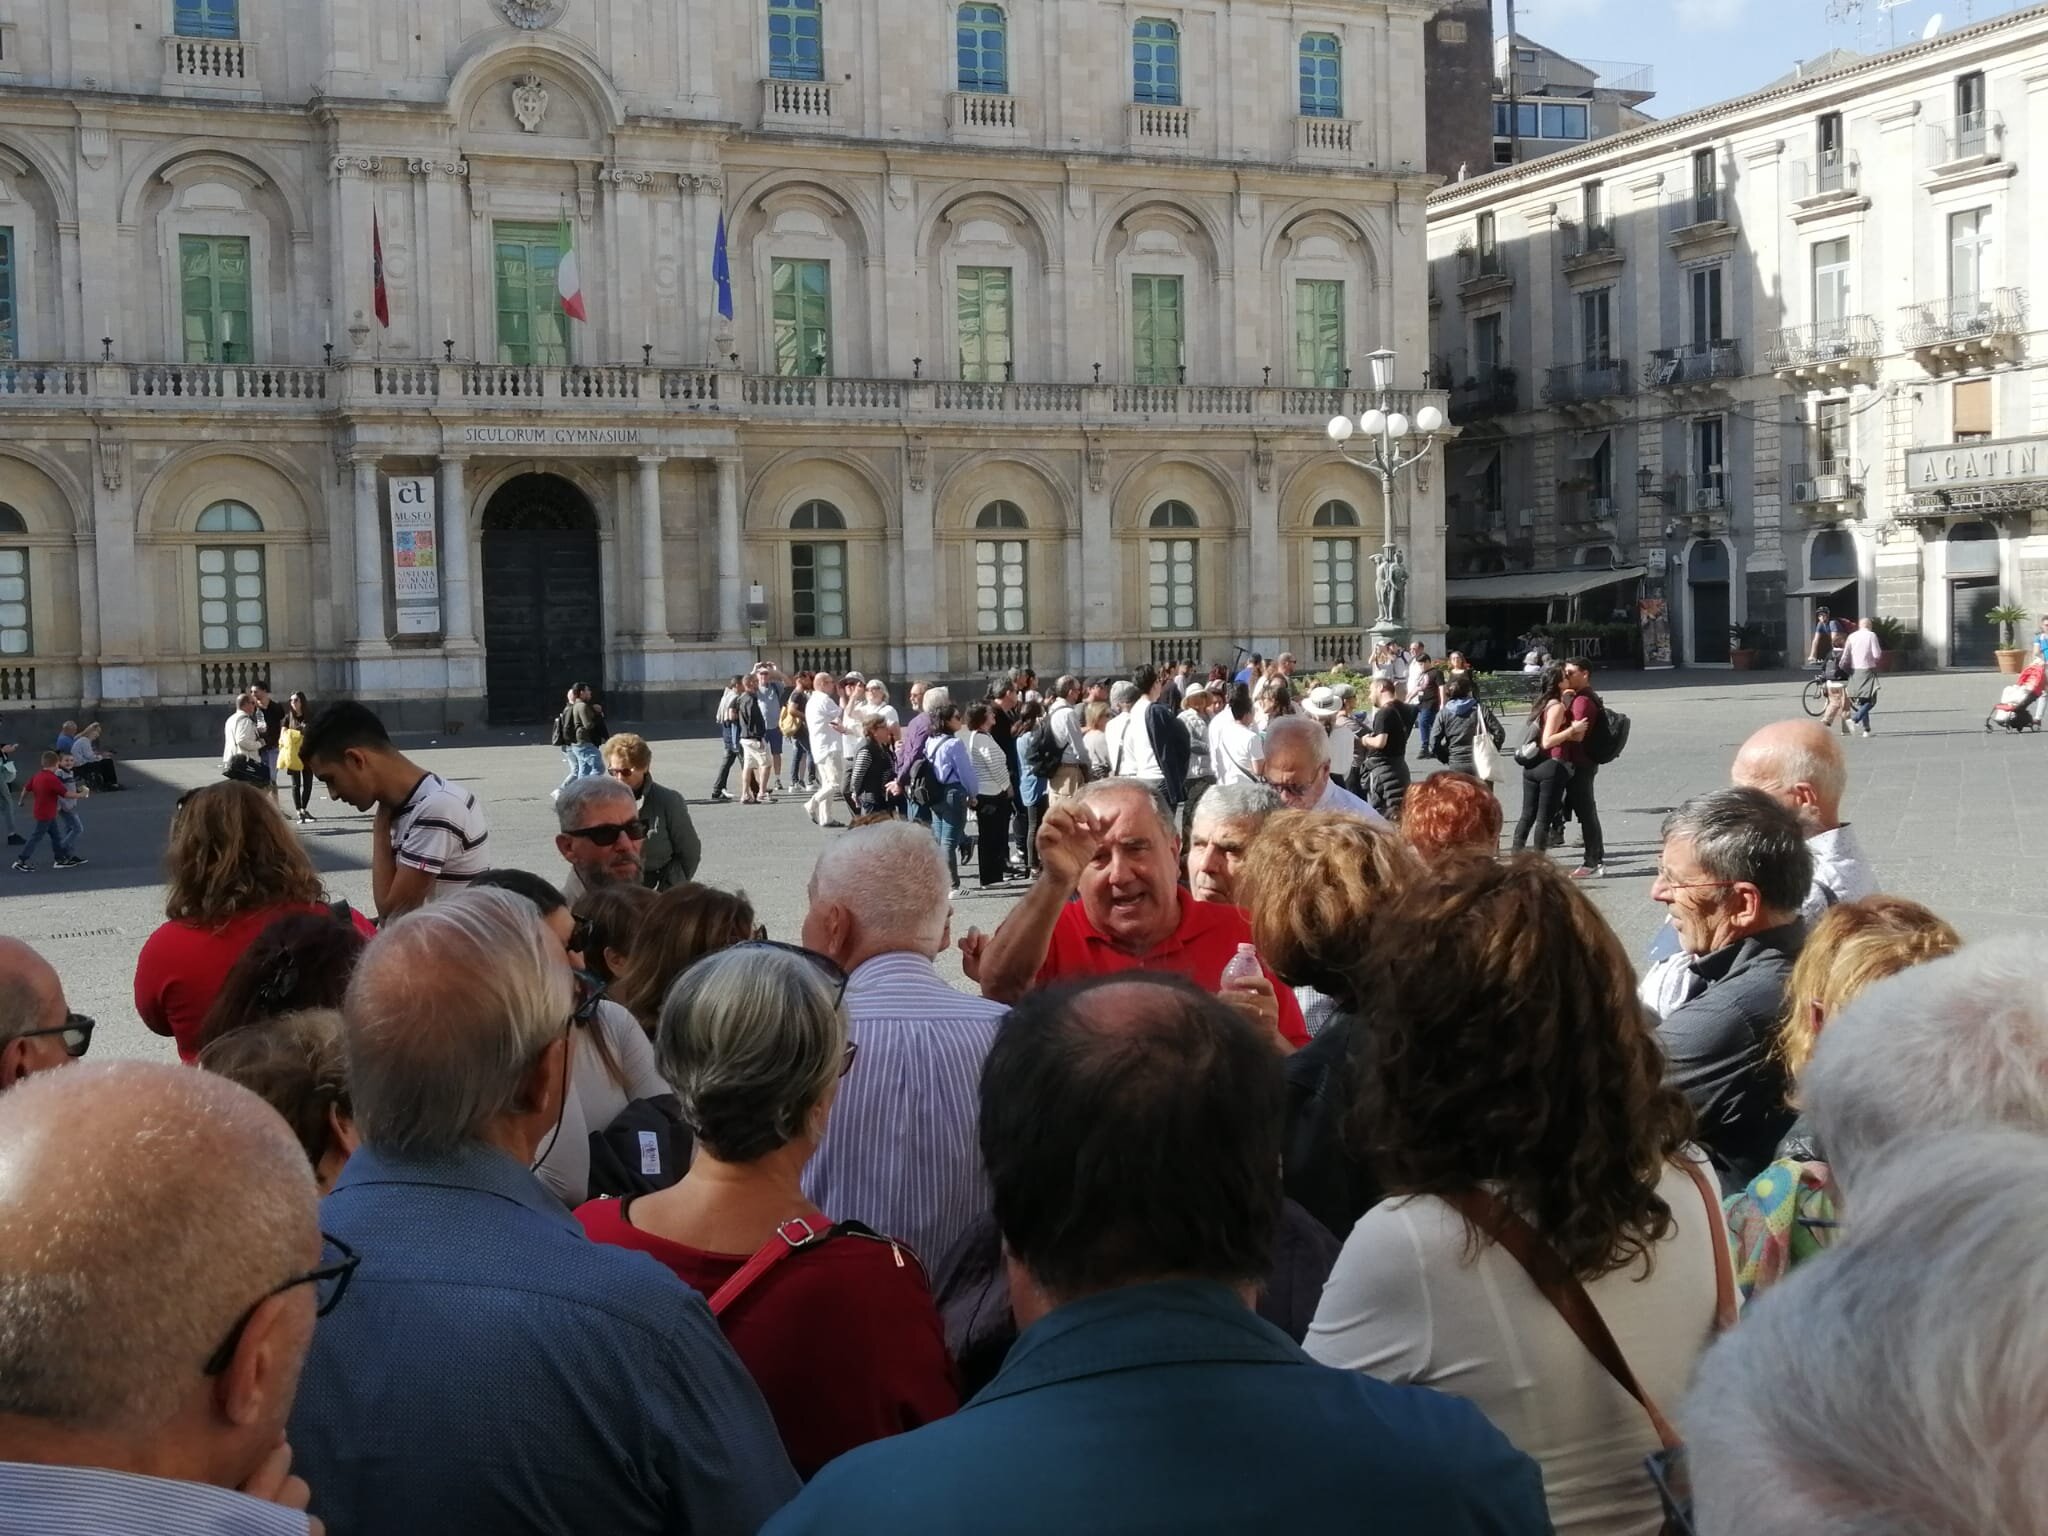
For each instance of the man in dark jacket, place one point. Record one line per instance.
(1169, 738)
(1733, 871)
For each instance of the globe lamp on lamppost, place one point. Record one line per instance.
(1391, 443)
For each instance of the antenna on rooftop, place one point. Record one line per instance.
(1933, 26)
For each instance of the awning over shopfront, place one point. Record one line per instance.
(1538, 586)
(1823, 586)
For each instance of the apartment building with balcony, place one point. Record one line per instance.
(1775, 354)
(908, 343)
(1545, 101)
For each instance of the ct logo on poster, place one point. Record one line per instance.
(415, 555)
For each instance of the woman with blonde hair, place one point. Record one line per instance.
(1788, 1212)
(685, 924)
(1312, 882)
(233, 867)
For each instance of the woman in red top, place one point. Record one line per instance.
(233, 867)
(841, 1335)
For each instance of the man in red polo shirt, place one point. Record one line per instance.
(1115, 846)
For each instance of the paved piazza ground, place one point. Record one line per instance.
(1946, 812)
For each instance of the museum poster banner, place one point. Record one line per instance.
(415, 555)
(1656, 627)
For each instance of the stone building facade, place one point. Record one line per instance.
(1036, 318)
(1772, 355)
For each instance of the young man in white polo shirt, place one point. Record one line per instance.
(430, 836)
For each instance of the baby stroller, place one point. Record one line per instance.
(2020, 706)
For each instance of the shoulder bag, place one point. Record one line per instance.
(1530, 752)
(1486, 758)
(1495, 1218)
(790, 1239)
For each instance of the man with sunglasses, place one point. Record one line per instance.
(38, 1030)
(601, 835)
(1733, 870)
(161, 1267)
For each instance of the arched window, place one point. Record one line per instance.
(1155, 63)
(15, 629)
(233, 611)
(229, 517)
(1172, 591)
(1001, 573)
(984, 50)
(817, 575)
(1333, 569)
(1833, 556)
(796, 40)
(1322, 90)
(817, 514)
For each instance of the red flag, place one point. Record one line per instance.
(381, 301)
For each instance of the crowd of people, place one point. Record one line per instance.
(1292, 1159)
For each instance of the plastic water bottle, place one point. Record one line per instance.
(1243, 967)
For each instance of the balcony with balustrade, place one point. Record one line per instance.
(1965, 331)
(1483, 393)
(1826, 352)
(797, 104)
(1968, 147)
(1582, 514)
(983, 117)
(1824, 183)
(1155, 129)
(1329, 141)
(1825, 490)
(1700, 216)
(1590, 386)
(1483, 273)
(209, 64)
(1704, 368)
(597, 396)
(1589, 249)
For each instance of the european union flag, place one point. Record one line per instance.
(721, 270)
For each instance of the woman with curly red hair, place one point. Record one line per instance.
(1449, 812)
(1511, 1098)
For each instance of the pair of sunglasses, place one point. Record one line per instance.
(76, 1032)
(825, 968)
(604, 836)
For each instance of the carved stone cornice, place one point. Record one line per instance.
(425, 167)
(358, 165)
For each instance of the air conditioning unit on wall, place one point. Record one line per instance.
(1707, 499)
(1805, 491)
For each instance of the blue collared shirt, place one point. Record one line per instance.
(492, 1372)
(92, 1501)
(1174, 1407)
(902, 1151)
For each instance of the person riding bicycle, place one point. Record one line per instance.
(1829, 633)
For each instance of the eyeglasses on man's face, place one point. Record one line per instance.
(75, 1032)
(610, 832)
(329, 1280)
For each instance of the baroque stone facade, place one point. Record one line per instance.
(1026, 358)
(1775, 354)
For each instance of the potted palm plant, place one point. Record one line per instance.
(1896, 639)
(2008, 617)
(1744, 640)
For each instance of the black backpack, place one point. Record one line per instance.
(1043, 754)
(1607, 738)
(563, 735)
(921, 783)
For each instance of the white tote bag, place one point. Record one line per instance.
(1486, 758)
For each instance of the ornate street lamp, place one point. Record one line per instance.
(1393, 444)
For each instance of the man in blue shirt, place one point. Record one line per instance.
(1131, 1130)
(495, 1372)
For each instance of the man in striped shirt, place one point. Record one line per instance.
(429, 836)
(901, 1150)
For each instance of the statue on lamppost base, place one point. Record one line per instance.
(1393, 443)
(1390, 591)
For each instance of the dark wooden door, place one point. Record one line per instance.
(1972, 637)
(1709, 620)
(543, 620)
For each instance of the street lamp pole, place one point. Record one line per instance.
(1393, 444)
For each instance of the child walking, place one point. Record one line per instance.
(48, 800)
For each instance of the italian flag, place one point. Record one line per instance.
(568, 280)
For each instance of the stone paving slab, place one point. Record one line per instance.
(1947, 812)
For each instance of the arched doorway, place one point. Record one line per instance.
(1706, 581)
(1831, 579)
(543, 598)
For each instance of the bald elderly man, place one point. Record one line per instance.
(38, 1030)
(161, 1266)
(1799, 764)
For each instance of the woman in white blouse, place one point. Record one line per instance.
(1509, 1074)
